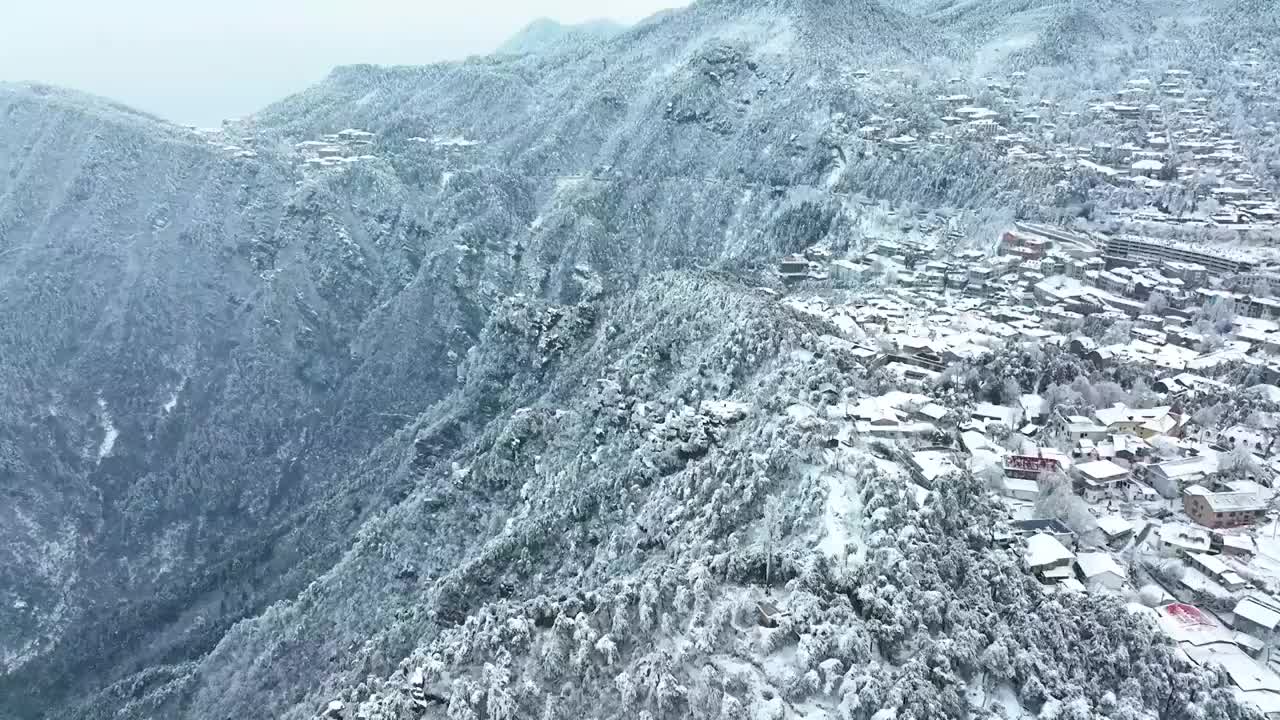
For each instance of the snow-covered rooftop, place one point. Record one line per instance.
(1264, 613)
(1114, 525)
(1101, 471)
(1094, 564)
(1045, 550)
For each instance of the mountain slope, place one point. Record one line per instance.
(1052, 35)
(725, 116)
(197, 350)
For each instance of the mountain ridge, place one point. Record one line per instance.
(545, 34)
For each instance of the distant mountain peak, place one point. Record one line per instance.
(545, 33)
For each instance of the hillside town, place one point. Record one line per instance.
(1168, 159)
(1119, 393)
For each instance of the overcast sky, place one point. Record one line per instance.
(198, 62)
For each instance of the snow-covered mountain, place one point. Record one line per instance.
(547, 35)
(493, 395)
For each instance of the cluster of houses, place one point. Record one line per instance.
(1044, 277)
(1171, 137)
(1159, 129)
(1122, 497)
(235, 138)
(336, 149)
(1158, 489)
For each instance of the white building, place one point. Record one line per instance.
(1115, 527)
(1020, 489)
(1147, 168)
(1101, 479)
(1100, 571)
(1258, 616)
(1177, 538)
(1048, 558)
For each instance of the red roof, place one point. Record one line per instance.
(1187, 615)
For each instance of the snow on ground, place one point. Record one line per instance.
(172, 402)
(835, 538)
(801, 355)
(1266, 562)
(800, 412)
(836, 175)
(842, 518)
(888, 467)
(847, 325)
(981, 696)
(1005, 697)
(1019, 509)
(454, 141)
(725, 410)
(110, 433)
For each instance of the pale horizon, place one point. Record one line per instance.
(199, 64)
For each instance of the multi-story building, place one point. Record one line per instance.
(1217, 258)
(1216, 510)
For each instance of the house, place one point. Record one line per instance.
(1046, 526)
(1123, 450)
(1203, 641)
(1115, 528)
(847, 273)
(1100, 479)
(973, 441)
(1214, 567)
(768, 615)
(356, 136)
(892, 429)
(1048, 558)
(1183, 472)
(887, 416)
(1020, 489)
(1234, 545)
(794, 267)
(987, 412)
(1082, 346)
(1176, 539)
(1146, 168)
(1080, 428)
(931, 464)
(1145, 423)
(1222, 509)
(1098, 570)
(1258, 615)
(1031, 467)
(932, 412)
(911, 372)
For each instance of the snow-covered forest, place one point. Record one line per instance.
(475, 390)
